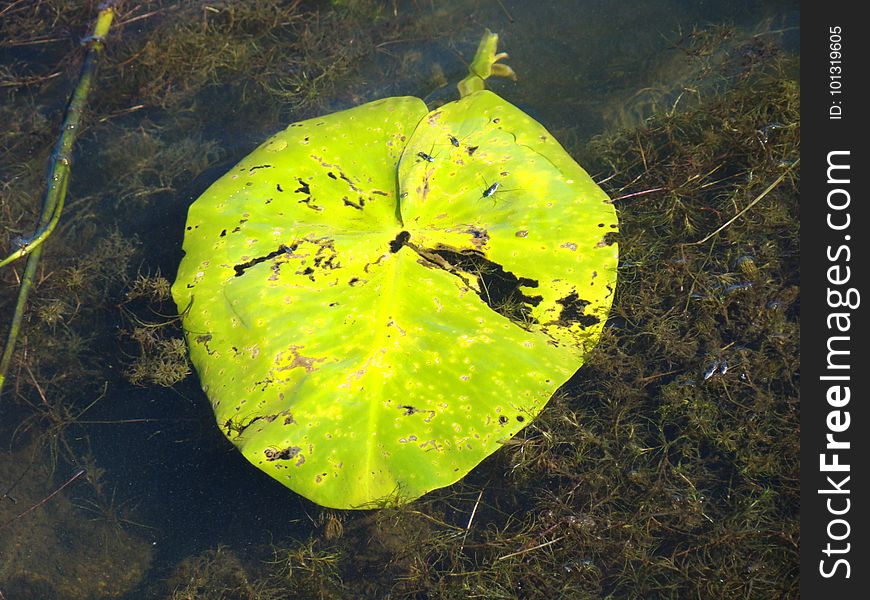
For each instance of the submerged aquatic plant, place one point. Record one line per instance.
(57, 184)
(377, 299)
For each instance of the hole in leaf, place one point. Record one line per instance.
(572, 311)
(400, 241)
(242, 267)
(499, 289)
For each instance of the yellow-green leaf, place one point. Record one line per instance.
(375, 300)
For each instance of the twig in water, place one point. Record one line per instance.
(44, 500)
(505, 11)
(470, 520)
(538, 547)
(635, 194)
(750, 205)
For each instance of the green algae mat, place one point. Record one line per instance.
(377, 299)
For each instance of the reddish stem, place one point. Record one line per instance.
(46, 499)
(643, 193)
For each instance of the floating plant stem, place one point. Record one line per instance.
(58, 181)
(750, 205)
(44, 500)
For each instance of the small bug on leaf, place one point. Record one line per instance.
(428, 157)
(492, 190)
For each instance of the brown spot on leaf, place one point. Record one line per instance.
(204, 340)
(306, 362)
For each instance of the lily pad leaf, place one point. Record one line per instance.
(377, 299)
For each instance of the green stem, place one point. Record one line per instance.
(484, 65)
(58, 182)
(54, 199)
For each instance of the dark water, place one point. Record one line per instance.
(585, 68)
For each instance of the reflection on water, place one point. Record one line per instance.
(646, 478)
